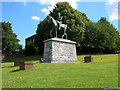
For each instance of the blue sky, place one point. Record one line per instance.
(25, 16)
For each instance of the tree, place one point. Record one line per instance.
(90, 43)
(30, 49)
(9, 39)
(75, 20)
(102, 36)
(42, 34)
(98, 36)
(109, 34)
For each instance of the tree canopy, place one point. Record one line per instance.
(100, 36)
(9, 39)
(73, 18)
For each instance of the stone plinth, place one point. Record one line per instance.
(26, 65)
(88, 59)
(58, 50)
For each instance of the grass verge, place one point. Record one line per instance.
(102, 73)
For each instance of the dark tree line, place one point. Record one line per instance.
(91, 37)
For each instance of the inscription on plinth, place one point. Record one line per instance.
(58, 50)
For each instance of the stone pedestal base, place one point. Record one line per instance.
(58, 50)
(26, 65)
(88, 59)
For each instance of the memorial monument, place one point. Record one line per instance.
(59, 50)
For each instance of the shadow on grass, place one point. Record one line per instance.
(90, 54)
(15, 70)
(9, 66)
(26, 58)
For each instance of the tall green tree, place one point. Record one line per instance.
(42, 34)
(101, 36)
(75, 20)
(109, 33)
(9, 39)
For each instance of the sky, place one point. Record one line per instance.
(25, 16)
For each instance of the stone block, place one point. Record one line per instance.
(88, 59)
(57, 50)
(26, 65)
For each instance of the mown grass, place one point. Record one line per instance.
(102, 73)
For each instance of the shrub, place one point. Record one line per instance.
(30, 49)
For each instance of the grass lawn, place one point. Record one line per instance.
(102, 73)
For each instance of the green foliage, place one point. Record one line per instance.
(20, 47)
(102, 36)
(73, 18)
(91, 37)
(30, 49)
(109, 34)
(42, 34)
(9, 39)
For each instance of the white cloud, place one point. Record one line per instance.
(112, 9)
(52, 3)
(35, 18)
(24, 3)
(46, 10)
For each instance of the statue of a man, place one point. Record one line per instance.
(59, 20)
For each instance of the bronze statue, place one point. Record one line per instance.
(57, 25)
(59, 20)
